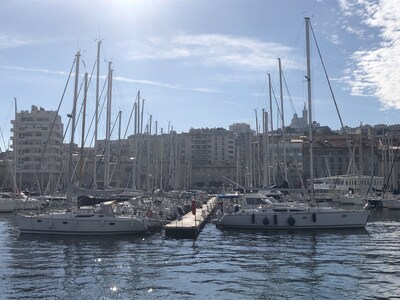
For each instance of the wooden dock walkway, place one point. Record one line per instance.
(190, 225)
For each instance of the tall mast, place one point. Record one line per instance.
(257, 170)
(108, 126)
(283, 122)
(271, 162)
(83, 128)
(73, 119)
(97, 116)
(270, 101)
(16, 137)
(310, 119)
(265, 148)
(138, 114)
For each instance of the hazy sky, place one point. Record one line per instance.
(203, 63)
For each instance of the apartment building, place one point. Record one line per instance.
(37, 138)
(211, 155)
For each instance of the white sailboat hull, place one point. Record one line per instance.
(307, 219)
(10, 205)
(7, 205)
(69, 223)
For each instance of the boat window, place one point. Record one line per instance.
(65, 222)
(279, 209)
(344, 216)
(39, 221)
(254, 201)
(111, 223)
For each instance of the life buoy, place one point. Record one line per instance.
(253, 218)
(314, 217)
(291, 221)
(275, 219)
(149, 213)
(265, 221)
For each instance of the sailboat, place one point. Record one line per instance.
(257, 212)
(102, 220)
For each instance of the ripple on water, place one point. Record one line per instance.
(219, 265)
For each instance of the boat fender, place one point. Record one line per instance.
(291, 221)
(149, 213)
(275, 219)
(314, 217)
(230, 209)
(253, 218)
(265, 221)
(237, 208)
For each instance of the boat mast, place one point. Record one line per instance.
(283, 123)
(73, 127)
(15, 188)
(310, 119)
(108, 127)
(81, 162)
(97, 116)
(271, 161)
(266, 164)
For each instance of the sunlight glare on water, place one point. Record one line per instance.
(337, 264)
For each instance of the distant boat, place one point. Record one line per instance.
(256, 212)
(334, 187)
(391, 203)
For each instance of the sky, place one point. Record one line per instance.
(202, 63)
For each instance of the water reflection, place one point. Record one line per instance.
(345, 264)
(385, 214)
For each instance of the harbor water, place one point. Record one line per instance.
(335, 264)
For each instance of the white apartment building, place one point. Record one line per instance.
(38, 142)
(211, 149)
